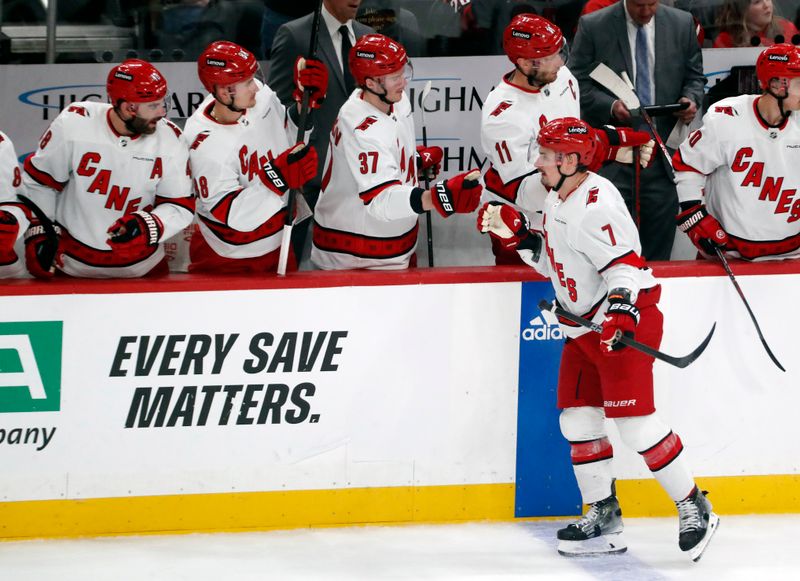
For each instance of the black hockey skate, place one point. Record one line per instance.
(598, 532)
(697, 524)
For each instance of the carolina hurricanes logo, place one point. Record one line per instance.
(500, 108)
(726, 110)
(542, 121)
(77, 109)
(201, 137)
(366, 123)
(591, 197)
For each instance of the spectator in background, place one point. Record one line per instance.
(642, 38)
(337, 33)
(278, 13)
(752, 23)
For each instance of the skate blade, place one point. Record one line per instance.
(697, 551)
(608, 544)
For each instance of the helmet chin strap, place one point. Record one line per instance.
(381, 96)
(531, 78)
(564, 176)
(784, 114)
(230, 106)
(127, 122)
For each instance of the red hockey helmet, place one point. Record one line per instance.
(531, 37)
(375, 55)
(225, 63)
(135, 81)
(569, 135)
(778, 60)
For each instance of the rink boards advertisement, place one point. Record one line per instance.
(132, 411)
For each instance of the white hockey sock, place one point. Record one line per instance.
(661, 449)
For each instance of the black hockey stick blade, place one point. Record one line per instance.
(727, 268)
(48, 255)
(680, 362)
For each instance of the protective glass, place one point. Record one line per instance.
(399, 79)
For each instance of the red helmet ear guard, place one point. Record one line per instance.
(569, 135)
(225, 63)
(135, 81)
(375, 55)
(778, 61)
(531, 37)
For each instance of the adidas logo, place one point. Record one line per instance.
(539, 330)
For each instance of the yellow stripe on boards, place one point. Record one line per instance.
(728, 495)
(254, 510)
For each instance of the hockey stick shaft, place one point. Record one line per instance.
(727, 268)
(286, 236)
(428, 221)
(680, 362)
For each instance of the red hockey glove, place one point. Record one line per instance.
(292, 169)
(310, 74)
(703, 229)
(9, 231)
(429, 161)
(41, 251)
(458, 195)
(621, 319)
(135, 236)
(617, 143)
(503, 223)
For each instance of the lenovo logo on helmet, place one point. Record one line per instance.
(779, 57)
(521, 34)
(577, 129)
(365, 55)
(123, 76)
(216, 63)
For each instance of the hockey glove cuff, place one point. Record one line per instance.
(460, 194)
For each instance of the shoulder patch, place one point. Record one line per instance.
(78, 110)
(591, 196)
(201, 137)
(500, 108)
(727, 110)
(175, 128)
(364, 125)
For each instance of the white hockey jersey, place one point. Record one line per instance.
(238, 216)
(363, 218)
(750, 174)
(590, 246)
(10, 186)
(85, 175)
(510, 122)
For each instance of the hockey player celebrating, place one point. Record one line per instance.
(244, 160)
(13, 216)
(590, 250)
(538, 90)
(114, 178)
(738, 175)
(367, 213)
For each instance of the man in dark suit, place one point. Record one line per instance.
(292, 39)
(657, 47)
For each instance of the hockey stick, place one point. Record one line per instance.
(622, 88)
(286, 238)
(428, 222)
(681, 362)
(637, 181)
(727, 268)
(50, 246)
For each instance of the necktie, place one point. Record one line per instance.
(349, 84)
(643, 88)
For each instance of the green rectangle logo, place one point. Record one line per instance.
(30, 366)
